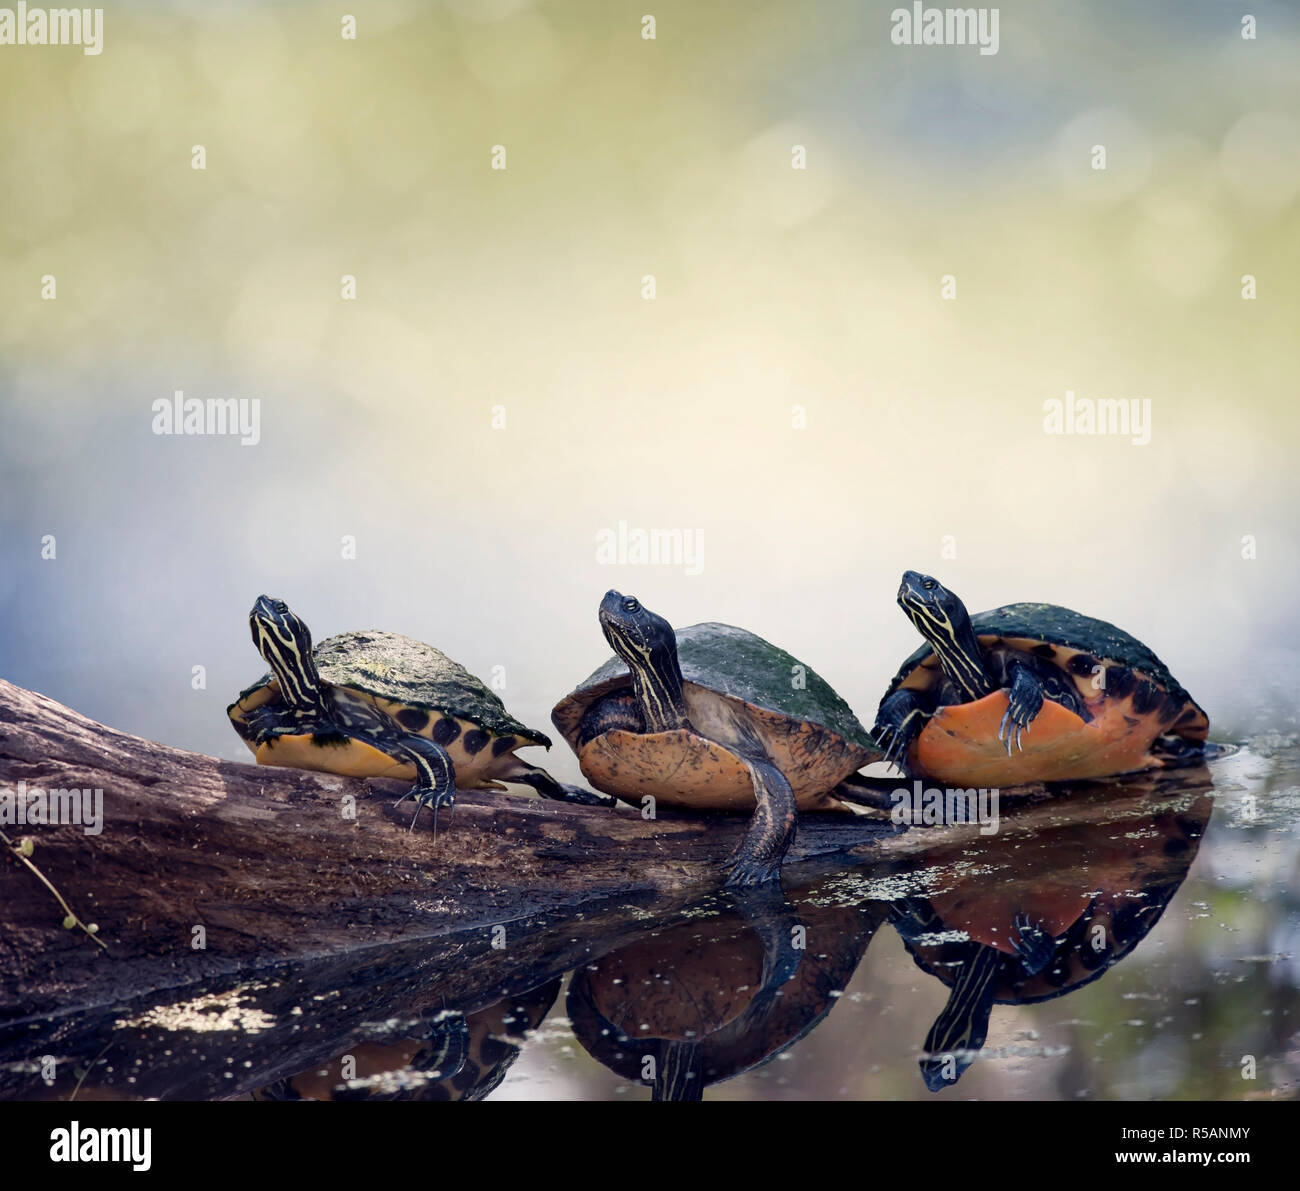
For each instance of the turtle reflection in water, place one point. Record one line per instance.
(1055, 913)
(378, 704)
(744, 978)
(451, 1056)
(1030, 693)
(712, 717)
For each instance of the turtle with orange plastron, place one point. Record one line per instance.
(1030, 693)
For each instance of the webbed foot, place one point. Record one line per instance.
(757, 858)
(1032, 944)
(427, 796)
(894, 743)
(743, 871)
(898, 723)
(1024, 702)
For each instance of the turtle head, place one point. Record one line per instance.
(647, 643)
(960, 1030)
(284, 641)
(928, 604)
(941, 618)
(636, 634)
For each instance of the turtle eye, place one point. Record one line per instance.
(631, 605)
(929, 584)
(280, 606)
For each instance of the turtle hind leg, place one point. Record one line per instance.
(757, 858)
(1024, 702)
(867, 791)
(548, 787)
(898, 723)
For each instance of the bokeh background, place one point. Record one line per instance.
(775, 289)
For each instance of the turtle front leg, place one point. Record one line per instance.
(1032, 944)
(898, 723)
(548, 787)
(266, 723)
(771, 831)
(1025, 701)
(435, 775)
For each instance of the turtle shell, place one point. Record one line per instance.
(418, 687)
(1129, 693)
(1089, 883)
(701, 982)
(409, 673)
(810, 732)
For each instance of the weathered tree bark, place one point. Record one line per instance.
(273, 866)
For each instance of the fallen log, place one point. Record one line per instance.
(204, 867)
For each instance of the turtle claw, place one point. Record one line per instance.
(1012, 732)
(1024, 702)
(1032, 944)
(427, 796)
(892, 741)
(1004, 733)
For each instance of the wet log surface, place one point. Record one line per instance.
(279, 865)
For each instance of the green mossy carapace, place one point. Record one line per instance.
(714, 718)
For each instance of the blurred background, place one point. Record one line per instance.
(798, 393)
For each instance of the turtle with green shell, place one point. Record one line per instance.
(723, 990)
(375, 704)
(1029, 693)
(712, 717)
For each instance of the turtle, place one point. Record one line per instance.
(721, 991)
(1029, 919)
(712, 717)
(376, 704)
(446, 1055)
(1030, 692)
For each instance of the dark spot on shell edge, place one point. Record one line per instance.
(445, 730)
(412, 719)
